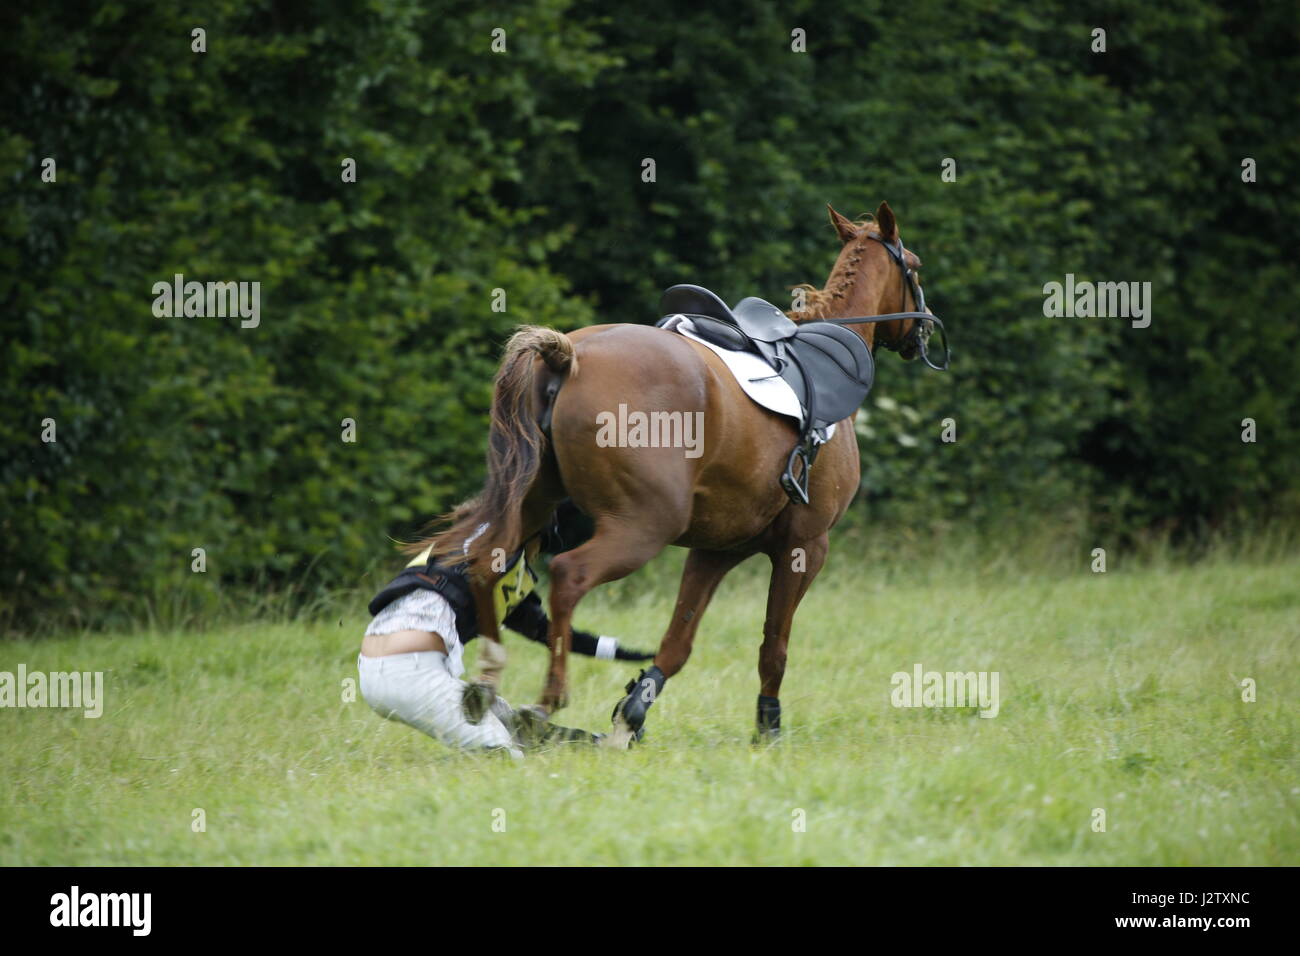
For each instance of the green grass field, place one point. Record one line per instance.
(1120, 691)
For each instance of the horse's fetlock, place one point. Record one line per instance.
(641, 694)
(769, 715)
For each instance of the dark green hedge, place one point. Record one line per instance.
(522, 171)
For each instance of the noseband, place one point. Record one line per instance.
(924, 323)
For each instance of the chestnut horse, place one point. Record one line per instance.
(725, 505)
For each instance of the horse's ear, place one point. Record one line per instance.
(847, 231)
(886, 223)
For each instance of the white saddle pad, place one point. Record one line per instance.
(758, 379)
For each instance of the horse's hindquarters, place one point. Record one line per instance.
(655, 423)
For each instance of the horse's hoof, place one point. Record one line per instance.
(477, 701)
(768, 721)
(620, 736)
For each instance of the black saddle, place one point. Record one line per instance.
(761, 321)
(829, 366)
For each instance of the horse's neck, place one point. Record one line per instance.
(837, 300)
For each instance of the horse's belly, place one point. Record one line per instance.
(724, 526)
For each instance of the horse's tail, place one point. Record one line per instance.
(516, 445)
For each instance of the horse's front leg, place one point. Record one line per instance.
(555, 692)
(703, 572)
(617, 549)
(793, 571)
(482, 691)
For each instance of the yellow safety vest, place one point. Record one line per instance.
(518, 581)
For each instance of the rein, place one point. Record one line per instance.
(924, 323)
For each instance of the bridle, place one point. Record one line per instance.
(924, 322)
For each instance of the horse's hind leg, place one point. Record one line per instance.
(616, 550)
(481, 692)
(704, 571)
(793, 571)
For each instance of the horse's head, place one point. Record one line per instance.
(876, 275)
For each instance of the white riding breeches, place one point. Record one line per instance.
(419, 690)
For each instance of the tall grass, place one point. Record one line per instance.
(1121, 692)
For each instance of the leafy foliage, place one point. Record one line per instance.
(521, 171)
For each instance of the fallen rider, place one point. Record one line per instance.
(412, 653)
